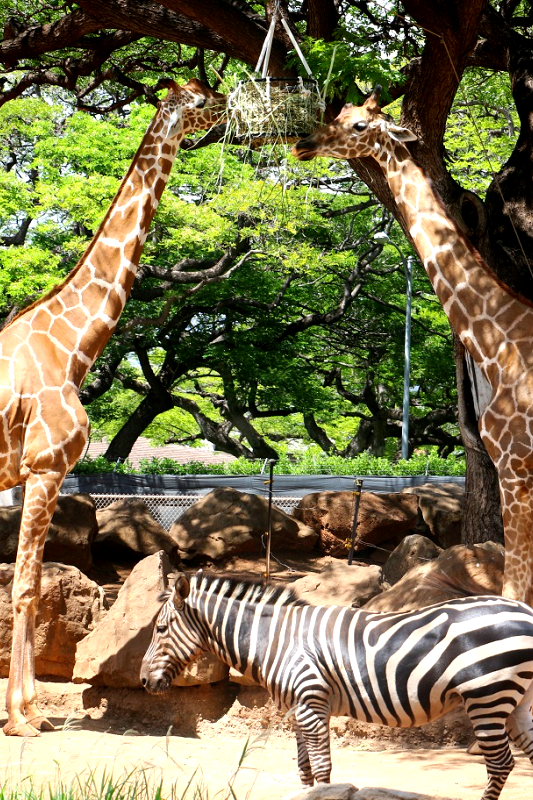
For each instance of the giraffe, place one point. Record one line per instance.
(45, 354)
(494, 324)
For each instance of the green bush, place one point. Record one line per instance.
(312, 462)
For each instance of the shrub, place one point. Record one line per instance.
(312, 462)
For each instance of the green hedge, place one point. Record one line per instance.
(306, 464)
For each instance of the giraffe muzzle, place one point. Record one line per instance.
(304, 150)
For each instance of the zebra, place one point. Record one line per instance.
(400, 669)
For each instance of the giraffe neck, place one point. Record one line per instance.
(468, 291)
(82, 312)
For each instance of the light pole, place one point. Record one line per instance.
(407, 264)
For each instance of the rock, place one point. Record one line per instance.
(111, 654)
(11, 497)
(458, 570)
(127, 525)
(340, 584)
(375, 793)
(441, 507)
(381, 517)
(237, 677)
(326, 791)
(72, 531)
(226, 523)
(206, 669)
(346, 791)
(70, 606)
(412, 550)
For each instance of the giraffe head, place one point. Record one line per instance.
(193, 107)
(358, 131)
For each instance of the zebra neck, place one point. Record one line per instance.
(241, 634)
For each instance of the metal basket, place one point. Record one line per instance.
(274, 108)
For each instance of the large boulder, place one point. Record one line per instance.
(457, 571)
(71, 605)
(412, 550)
(126, 526)
(340, 584)
(441, 507)
(112, 653)
(69, 539)
(227, 522)
(325, 791)
(381, 517)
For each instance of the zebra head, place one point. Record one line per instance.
(175, 641)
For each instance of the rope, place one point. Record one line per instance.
(264, 56)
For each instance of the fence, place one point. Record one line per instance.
(168, 496)
(166, 509)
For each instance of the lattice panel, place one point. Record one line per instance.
(167, 508)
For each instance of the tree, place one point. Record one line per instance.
(249, 300)
(245, 354)
(102, 54)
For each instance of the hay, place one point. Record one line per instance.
(274, 109)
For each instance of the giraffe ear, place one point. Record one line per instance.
(400, 134)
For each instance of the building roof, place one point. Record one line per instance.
(143, 449)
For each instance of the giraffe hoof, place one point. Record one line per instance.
(20, 729)
(41, 723)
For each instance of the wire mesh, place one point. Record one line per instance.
(167, 508)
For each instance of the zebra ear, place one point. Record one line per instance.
(180, 591)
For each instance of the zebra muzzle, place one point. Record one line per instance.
(155, 682)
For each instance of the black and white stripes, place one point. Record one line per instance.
(400, 669)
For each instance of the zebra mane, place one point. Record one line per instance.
(248, 591)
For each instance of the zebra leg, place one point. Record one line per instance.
(520, 724)
(314, 729)
(304, 765)
(493, 741)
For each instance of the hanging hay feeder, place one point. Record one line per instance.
(274, 109)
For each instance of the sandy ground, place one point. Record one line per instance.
(268, 769)
(228, 745)
(260, 766)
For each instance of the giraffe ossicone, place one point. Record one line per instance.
(494, 324)
(45, 354)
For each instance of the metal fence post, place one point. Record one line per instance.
(271, 463)
(357, 493)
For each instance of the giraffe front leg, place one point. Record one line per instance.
(40, 498)
(17, 724)
(33, 713)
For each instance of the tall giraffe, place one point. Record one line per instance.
(45, 354)
(494, 324)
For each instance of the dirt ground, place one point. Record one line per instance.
(228, 741)
(92, 741)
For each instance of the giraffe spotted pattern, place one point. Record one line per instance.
(495, 325)
(45, 354)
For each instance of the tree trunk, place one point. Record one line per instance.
(121, 445)
(482, 517)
